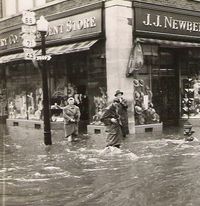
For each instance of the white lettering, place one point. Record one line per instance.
(93, 22)
(69, 26)
(147, 22)
(189, 26)
(182, 24)
(175, 24)
(167, 22)
(195, 26)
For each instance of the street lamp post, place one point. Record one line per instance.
(42, 27)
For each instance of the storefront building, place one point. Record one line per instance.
(170, 43)
(149, 51)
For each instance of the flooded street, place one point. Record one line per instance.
(165, 172)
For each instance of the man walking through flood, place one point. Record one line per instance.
(123, 106)
(111, 119)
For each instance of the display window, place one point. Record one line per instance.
(146, 111)
(81, 75)
(3, 99)
(190, 85)
(24, 92)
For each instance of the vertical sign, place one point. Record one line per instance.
(29, 34)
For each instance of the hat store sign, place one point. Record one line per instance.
(29, 34)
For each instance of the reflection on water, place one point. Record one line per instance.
(165, 172)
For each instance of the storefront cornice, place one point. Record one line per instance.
(51, 17)
(165, 8)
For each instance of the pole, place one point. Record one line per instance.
(47, 126)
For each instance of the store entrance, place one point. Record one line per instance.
(165, 87)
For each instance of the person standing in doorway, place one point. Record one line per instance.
(71, 114)
(123, 106)
(111, 119)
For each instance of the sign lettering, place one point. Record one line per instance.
(165, 23)
(74, 26)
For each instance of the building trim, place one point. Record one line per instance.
(55, 16)
(166, 8)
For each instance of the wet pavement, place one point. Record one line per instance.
(165, 172)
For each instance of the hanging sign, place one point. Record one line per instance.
(29, 54)
(28, 17)
(29, 42)
(29, 29)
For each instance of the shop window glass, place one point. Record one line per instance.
(84, 79)
(24, 91)
(3, 100)
(190, 84)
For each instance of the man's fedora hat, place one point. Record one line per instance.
(118, 92)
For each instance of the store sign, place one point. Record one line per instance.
(76, 26)
(160, 22)
(71, 27)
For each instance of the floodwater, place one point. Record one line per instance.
(151, 170)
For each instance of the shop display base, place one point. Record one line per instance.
(35, 124)
(155, 128)
(96, 129)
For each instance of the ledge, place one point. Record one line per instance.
(151, 128)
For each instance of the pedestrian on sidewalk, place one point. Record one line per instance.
(111, 119)
(123, 106)
(71, 114)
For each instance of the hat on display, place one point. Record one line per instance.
(138, 110)
(141, 82)
(118, 92)
(137, 95)
(136, 83)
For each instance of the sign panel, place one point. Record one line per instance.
(29, 42)
(29, 54)
(29, 29)
(28, 17)
(160, 22)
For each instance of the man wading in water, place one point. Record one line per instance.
(112, 121)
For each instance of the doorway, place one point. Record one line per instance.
(165, 87)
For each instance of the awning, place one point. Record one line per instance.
(167, 42)
(57, 50)
(11, 57)
(71, 48)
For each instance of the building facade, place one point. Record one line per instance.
(147, 49)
